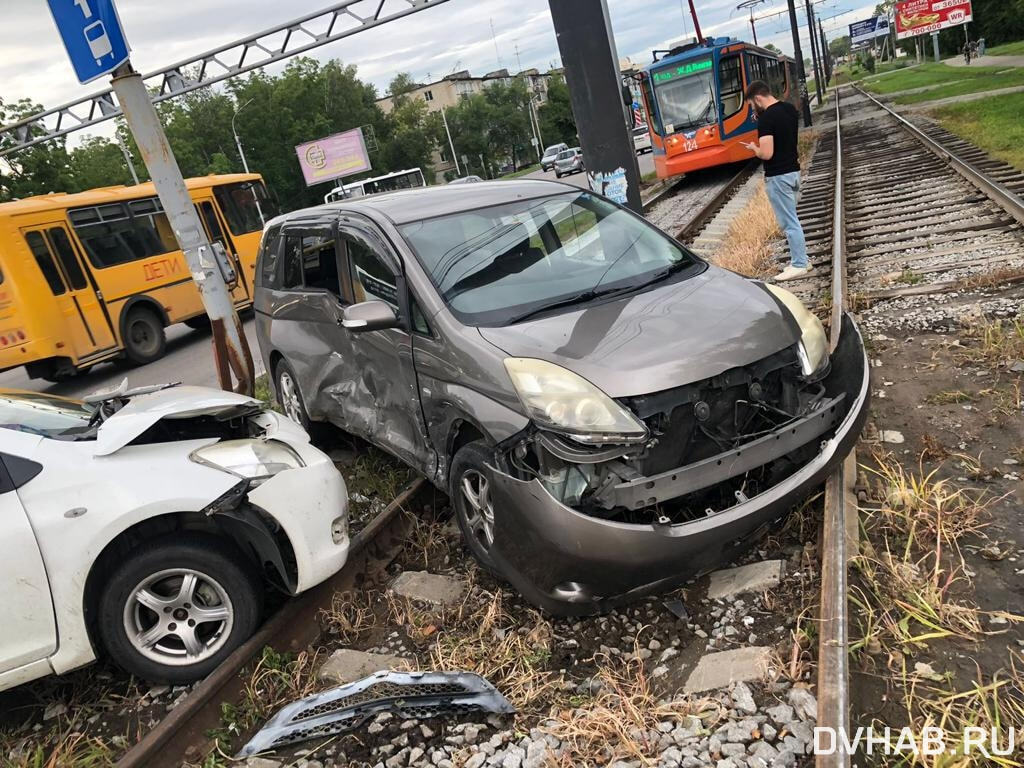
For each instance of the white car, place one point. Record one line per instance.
(642, 140)
(147, 524)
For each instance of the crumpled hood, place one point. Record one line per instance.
(662, 338)
(143, 411)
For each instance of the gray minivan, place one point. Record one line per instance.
(609, 413)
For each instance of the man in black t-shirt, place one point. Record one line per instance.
(777, 125)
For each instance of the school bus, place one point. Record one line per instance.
(98, 275)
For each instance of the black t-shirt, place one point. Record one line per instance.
(780, 121)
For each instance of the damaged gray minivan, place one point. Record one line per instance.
(609, 413)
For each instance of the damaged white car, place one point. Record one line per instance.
(148, 524)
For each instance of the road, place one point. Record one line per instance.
(580, 179)
(189, 359)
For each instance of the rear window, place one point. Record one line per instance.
(47, 416)
(566, 154)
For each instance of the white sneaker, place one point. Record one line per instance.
(792, 273)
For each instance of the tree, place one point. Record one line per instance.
(773, 48)
(557, 124)
(34, 171)
(839, 46)
(97, 162)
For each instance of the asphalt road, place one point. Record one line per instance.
(189, 359)
(580, 179)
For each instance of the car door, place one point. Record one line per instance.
(382, 395)
(71, 282)
(29, 630)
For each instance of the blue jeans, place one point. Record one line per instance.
(782, 191)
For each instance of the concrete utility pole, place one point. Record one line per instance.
(451, 144)
(799, 56)
(935, 46)
(826, 57)
(205, 261)
(814, 50)
(584, 34)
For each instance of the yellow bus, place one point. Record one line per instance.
(98, 275)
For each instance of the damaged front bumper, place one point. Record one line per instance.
(569, 562)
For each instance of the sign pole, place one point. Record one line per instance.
(935, 46)
(205, 261)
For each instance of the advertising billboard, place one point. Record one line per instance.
(919, 17)
(333, 157)
(864, 32)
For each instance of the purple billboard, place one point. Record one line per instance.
(333, 157)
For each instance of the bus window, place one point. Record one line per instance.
(112, 234)
(68, 259)
(730, 85)
(45, 261)
(212, 225)
(238, 202)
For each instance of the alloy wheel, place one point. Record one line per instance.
(479, 510)
(178, 616)
(289, 394)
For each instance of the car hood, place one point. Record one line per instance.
(672, 335)
(181, 402)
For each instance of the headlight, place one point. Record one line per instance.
(251, 459)
(813, 347)
(560, 400)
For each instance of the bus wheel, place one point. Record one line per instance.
(144, 338)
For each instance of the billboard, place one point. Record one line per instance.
(864, 32)
(919, 17)
(333, 157)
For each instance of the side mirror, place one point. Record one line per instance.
(369, 316)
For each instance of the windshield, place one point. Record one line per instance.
(554, 149)
(496, 264)
(53, 417)
(566, 155)
(685, 95)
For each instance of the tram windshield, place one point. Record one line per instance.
(686, 94)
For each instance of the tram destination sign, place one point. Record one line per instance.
(920, 17)
(683, 70)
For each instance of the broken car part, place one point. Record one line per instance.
(407, 694)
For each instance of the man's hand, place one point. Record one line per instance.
(751, 146)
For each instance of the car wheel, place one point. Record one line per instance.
(290, 396)
(558, 175)
(144, 337)
(177, 607)
(471, 497)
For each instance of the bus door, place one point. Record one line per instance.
(73, 288)
(216, 231)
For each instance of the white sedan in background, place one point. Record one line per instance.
(147, 524)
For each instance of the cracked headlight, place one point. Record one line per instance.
(251, 459)
(813, 347)
(562, 401)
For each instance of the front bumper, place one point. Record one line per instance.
(570, 563)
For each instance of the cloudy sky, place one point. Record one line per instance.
(429, 44)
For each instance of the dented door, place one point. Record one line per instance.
(375, 382)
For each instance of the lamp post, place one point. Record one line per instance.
(245, 163)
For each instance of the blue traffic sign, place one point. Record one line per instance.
(92, 35)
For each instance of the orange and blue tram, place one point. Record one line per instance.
(695, 103)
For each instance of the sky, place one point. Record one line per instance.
(451, 36)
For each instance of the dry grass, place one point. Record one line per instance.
(617, 722)
(910, 566)
(995, 342)
(745, 247)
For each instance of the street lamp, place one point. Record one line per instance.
(245, 163)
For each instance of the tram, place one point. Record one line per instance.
(695, 103)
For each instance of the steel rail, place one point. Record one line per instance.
(293, 627)
(998, 193)
(833, 651)
(230, 60)
(715, 204)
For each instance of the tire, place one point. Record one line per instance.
(476, 523)
(289, 396)
(183, 575)
(558, 174)
(144, 337)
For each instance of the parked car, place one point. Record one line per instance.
(470, 179)
(642, 140)
(146, 524)
(547, 160)
(569, 161)
(610, 413)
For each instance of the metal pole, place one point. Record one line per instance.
(231, 353)
(753, 29)
(799, 56)
(696, 23)
(935, 46)
(127, 159)
(826, 56)
(814, 50)
(584, 33)
(451, 144)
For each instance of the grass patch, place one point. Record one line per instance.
(909, 277)
(950, 397)
(1006, 49)
(995, 342)
(522, 171)
(745, 248)
(993, 124)
(944, 81)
